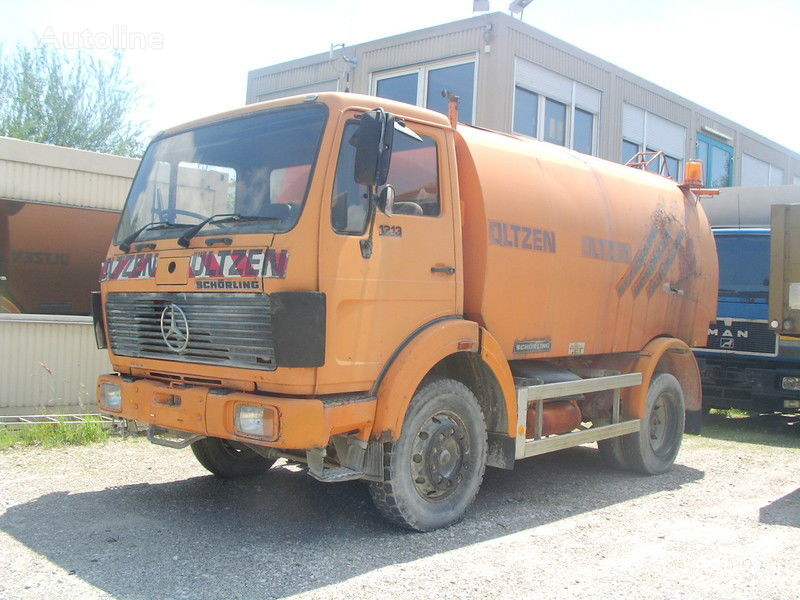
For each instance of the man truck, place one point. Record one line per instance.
(368, 289)
(745, 363)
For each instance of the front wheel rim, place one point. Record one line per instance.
(440, 456)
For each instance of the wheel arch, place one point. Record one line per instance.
(666, 355)
(456, 349)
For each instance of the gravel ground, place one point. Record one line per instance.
(130, 520)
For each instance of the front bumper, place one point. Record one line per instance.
(300, 423)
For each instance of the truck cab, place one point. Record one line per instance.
(746, 364)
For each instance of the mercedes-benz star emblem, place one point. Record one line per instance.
(174, 328)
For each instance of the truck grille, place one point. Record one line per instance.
(232, 330)
(742, 337)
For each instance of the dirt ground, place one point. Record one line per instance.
(126, 519)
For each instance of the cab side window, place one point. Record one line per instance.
(413, 173)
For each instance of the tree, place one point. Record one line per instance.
(79, 101)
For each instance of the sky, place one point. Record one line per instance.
(738, 58)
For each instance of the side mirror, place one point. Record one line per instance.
(386, 201)
(373, 142)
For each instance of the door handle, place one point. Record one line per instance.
(447, 270)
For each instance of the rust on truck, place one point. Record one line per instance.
(355, 284)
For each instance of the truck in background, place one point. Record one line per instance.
(376, 293)
(745, 363)
(49, 256)
(58, 208)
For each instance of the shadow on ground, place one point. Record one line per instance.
(284, 533)
(782, 431)
(784, 511)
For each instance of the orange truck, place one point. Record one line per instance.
(361, 287)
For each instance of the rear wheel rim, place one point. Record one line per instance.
(440, 456)
(663, 422)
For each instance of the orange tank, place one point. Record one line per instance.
(566, 254)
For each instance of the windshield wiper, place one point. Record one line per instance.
(184, 240)
(125, 245)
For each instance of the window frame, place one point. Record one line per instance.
(569, 121)
(438, 164)
(422, 70)
(711, 143)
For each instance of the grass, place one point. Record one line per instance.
(52, 435)
(752, 428)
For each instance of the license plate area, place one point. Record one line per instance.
(179, 408)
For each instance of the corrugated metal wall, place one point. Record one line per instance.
(49, 364)
(43, 173)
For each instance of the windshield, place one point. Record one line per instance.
(258, 167)
(743, 265)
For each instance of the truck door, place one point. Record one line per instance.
(374, 303)
(784, 282)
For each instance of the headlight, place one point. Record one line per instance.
(255, 421)
(110, 396)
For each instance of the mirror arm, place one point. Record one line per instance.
(366, 245)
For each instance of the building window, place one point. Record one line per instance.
(556, 128)
(758, 172)
(424, 86)
(526, 111)
(457, 79)
(629, 150)
(555, 122)
(554, 108)
(583, 131)
(718, 160)
(644, 130)
(402, 88)
(665, 164)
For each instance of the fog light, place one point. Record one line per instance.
(791, 404)
(111, 396)
(791, 383)
(255, 421)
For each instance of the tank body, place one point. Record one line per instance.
(567, 254)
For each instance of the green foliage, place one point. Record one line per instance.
(54, 434)
(77, 101)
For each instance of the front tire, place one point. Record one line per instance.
(229, 459)
(653, 449)
(432, 473)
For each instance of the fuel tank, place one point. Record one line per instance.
(567, 254)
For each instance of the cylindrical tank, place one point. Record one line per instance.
(567, 254)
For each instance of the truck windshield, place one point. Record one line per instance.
(258, 167)
(743, 265)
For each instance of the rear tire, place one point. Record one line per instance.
(432, 473)
(229, 459)
(653, 449)
(613, 454)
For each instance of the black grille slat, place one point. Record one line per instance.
(232, 330)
